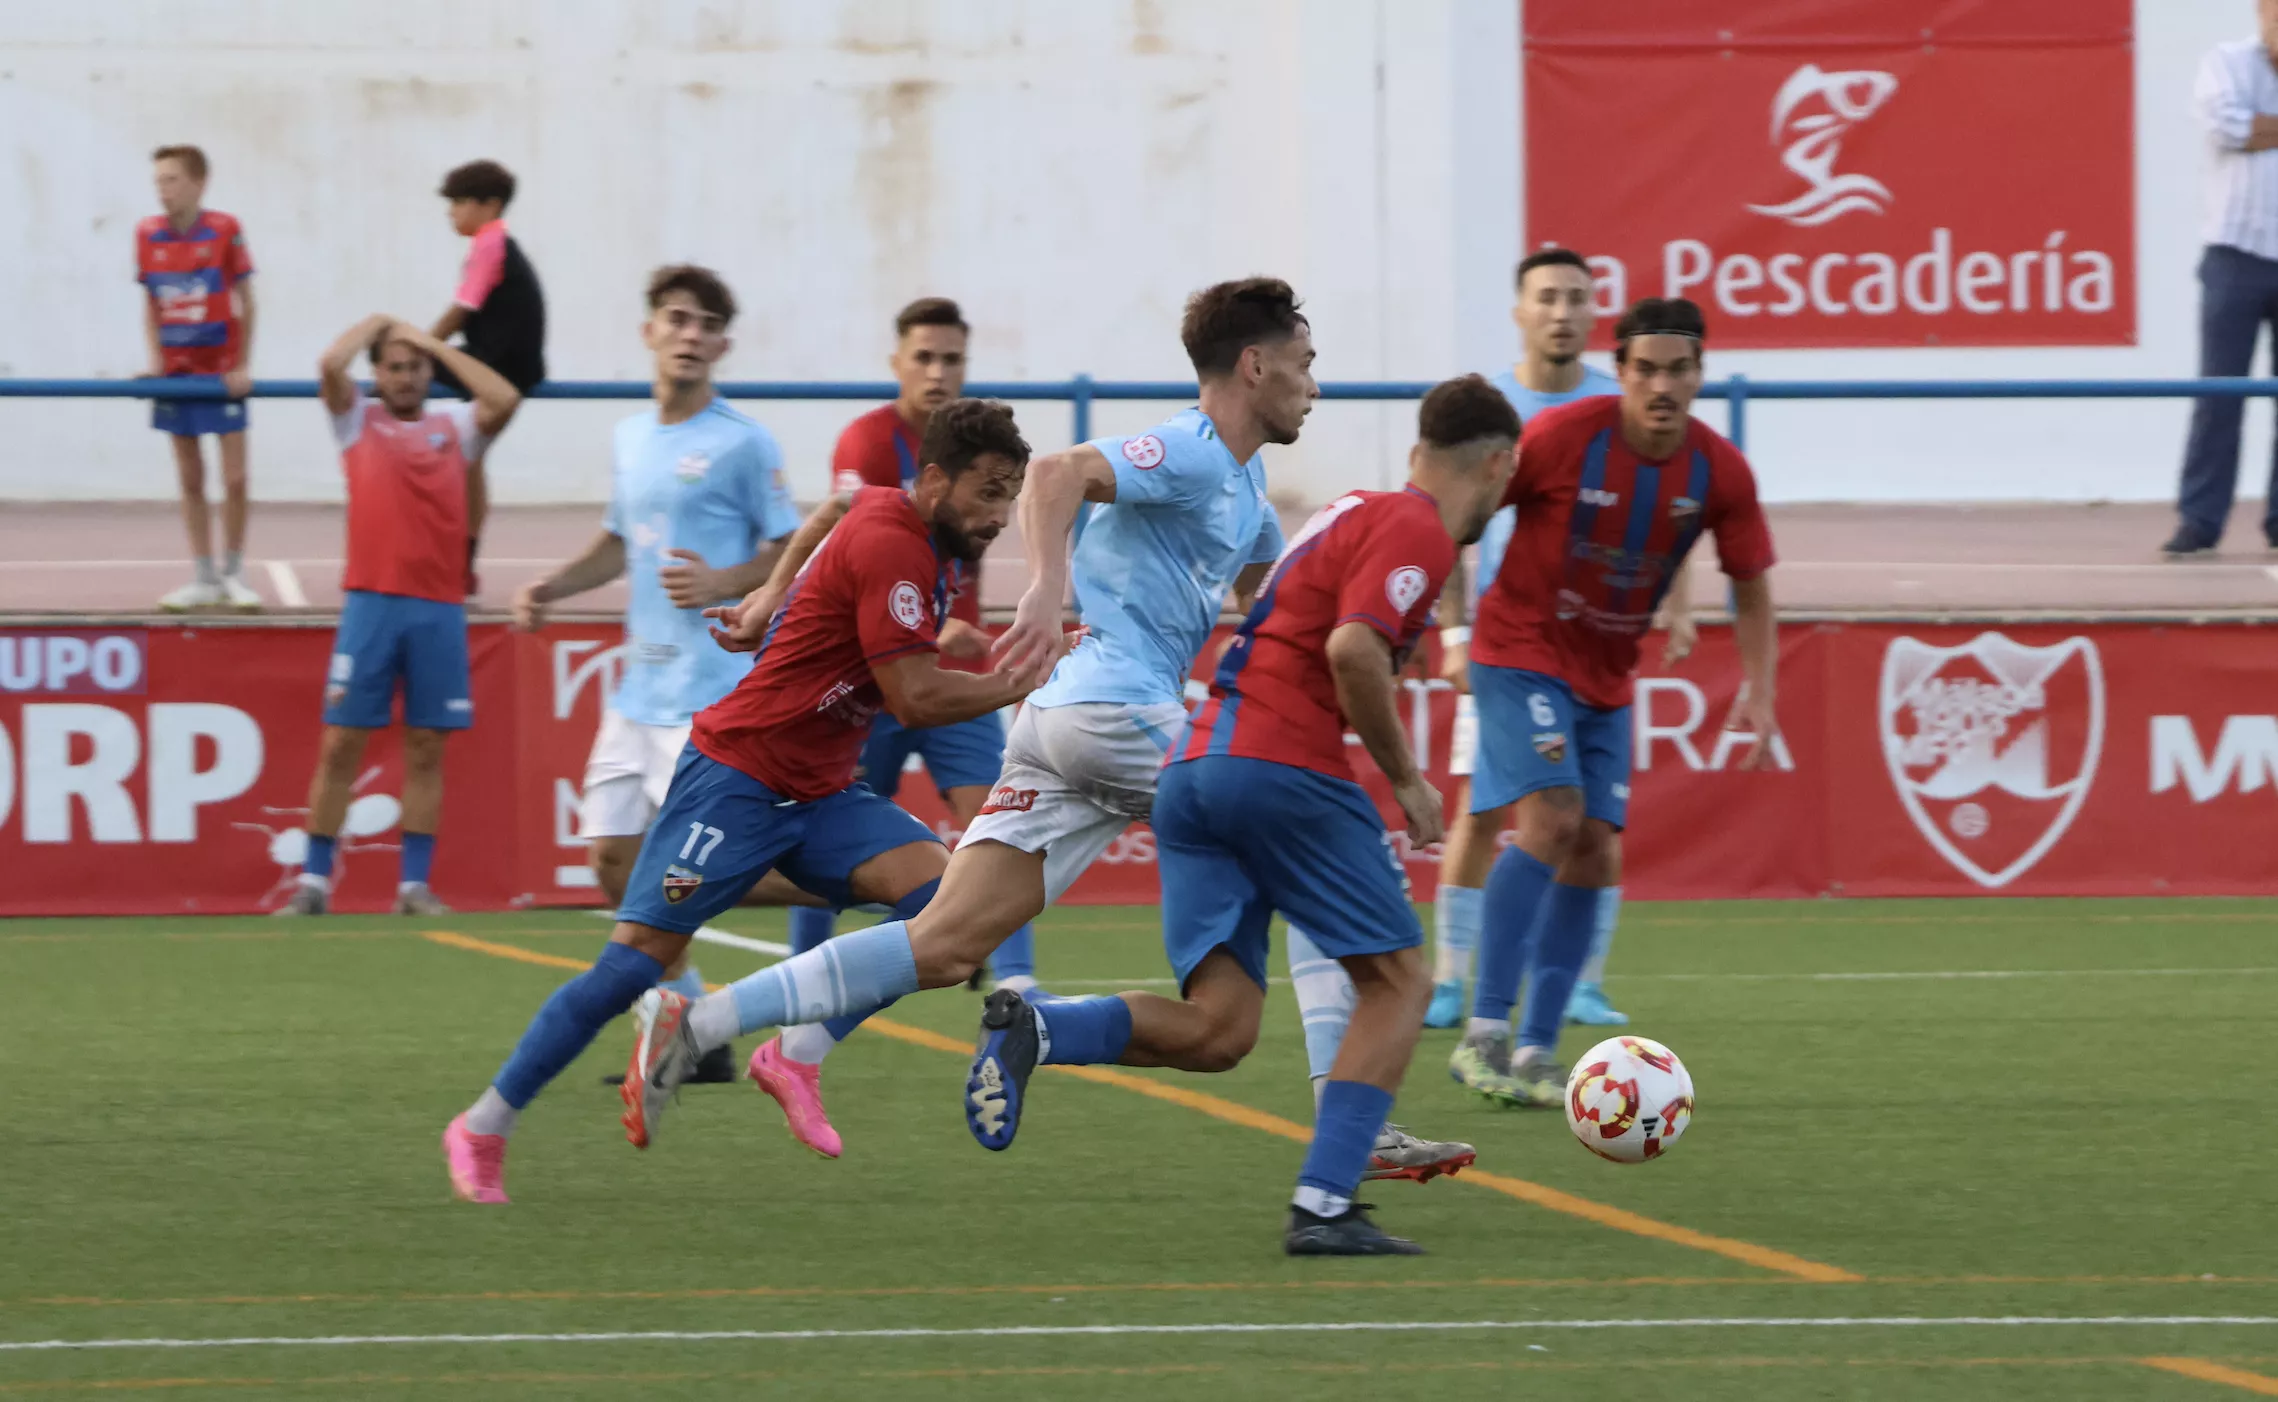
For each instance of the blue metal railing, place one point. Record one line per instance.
(1082, 391)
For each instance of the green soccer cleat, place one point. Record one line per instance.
(1541, 1079)
(1481, 1064)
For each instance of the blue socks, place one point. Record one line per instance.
(810, 926)
(1087, 1031)
(572, 1018)
(1016, 957)
(858, 972)
(418, 855)
(1561, 943)
(1344, 1136)
(318, 862)
(1324, 1000)
(1456, 912)
(1513, 902)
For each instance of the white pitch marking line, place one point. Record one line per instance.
(287, 582)
(712, 935)
(1067, 1330)
(1874, 976)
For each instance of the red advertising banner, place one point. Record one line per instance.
(166, 771)
(1843, 172)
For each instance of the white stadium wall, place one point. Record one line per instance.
(1068, 171)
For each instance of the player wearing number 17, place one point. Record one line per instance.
(1611, 494)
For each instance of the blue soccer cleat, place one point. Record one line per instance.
(1588, 1007)
(1447, 1005)
(997, 1086)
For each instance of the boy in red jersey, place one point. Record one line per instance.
(879, 449)
(1257, 811)
(414, 490)
(1611, 494)
(767, 782)
(198, 320)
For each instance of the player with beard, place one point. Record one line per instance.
(767, 781)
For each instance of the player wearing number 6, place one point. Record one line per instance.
(767, 781)
(1611, 494)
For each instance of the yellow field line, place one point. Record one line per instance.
(2206, 1372)
(1605, 1215)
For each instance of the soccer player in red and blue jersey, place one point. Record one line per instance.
(1611, 493)
(767, 781)
(880, 449)
(1257, 810)
(198, 318)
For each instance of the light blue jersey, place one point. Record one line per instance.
(712, 484)
(1497, 537)
(1152, 567)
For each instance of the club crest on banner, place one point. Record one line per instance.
(1812, 113)
(1991, 745)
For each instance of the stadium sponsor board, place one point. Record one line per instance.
(1845, 172)
(2111, 759)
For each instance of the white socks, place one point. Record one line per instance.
(808, 1043)
(491, 1114)
(1488, 1027)
(712, 1020)
(1320, 1202)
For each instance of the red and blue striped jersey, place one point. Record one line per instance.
(1600, 532)
(188, 276)
(1377, 558)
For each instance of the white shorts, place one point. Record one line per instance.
(1074, 778)
(626, 776)
(1464, 743)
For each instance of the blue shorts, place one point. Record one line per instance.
(189, 418)
(384, 637)
(720, 830)
(1533, 735)
(957, 756)
(1238, 839)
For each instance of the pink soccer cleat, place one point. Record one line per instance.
(798, 1088)
(477, 1162)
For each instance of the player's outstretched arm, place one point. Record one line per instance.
(1360, 662)
(602, 560)
(921, 695)
(1756, 628)
(1056, 488)
(740, 626)
(334, 386)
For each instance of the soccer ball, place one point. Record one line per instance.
(1628, 1099)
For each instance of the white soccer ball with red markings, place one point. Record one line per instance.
(1629, 1099)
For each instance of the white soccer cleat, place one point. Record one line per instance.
(664, 1057)
(239, 595)
(197, 594)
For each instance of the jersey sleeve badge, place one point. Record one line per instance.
(1144, 452)
(1404, 586)
(907, 605)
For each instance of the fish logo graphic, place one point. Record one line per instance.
(1812, 113)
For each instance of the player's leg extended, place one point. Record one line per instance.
(1465, 859)
(1013, 963)
(1570, 912)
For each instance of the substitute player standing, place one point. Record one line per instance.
(1611, 494)
(198, 320)
(767, 782)
(698, 510)
(1258, 812)
(412, 472)
(880, 449)
(1554, 311)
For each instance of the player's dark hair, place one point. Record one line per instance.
(701, 283)
(958, 433)
(928, 311)
(1225, 320)
(1659, 316)
(1464, 410)
(1548, 258)
(380, 339)
(479, 180)
(193, 160)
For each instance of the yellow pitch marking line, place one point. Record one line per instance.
(2261, 1384)
(1604, 1214)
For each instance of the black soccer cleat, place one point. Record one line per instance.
(1003, 1058)
(1349, 1233)
(716, 1067)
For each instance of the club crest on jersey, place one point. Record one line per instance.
(1599, 496)
(1143, 452)
(435, 439)
(679, 884)
(907, 604)
(1551, 745)
(1683, 508)
(692, 467)
(1404, 586)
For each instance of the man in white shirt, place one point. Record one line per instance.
(2236, 97)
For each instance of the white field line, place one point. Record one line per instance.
(710, 935)
(287, 582)
(2010, 1321)
(1875, 976)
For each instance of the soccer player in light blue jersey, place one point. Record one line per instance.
(698, 510)
(1554, 312)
